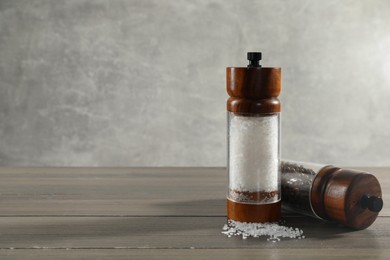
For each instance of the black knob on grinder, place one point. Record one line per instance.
(254, 58)
(372, 203)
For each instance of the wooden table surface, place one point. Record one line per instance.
(155, 213)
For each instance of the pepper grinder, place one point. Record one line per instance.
(350, 197)
(253, 142)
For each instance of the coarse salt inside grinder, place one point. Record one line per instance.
(253, 142)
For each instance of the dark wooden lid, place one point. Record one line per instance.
(251, 87)
(352, 198)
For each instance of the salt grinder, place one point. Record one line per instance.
(350, 197)
(254, 193)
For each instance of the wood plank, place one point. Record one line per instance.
(174, 233)
(123, 191)
(112, 191)
(189, 254)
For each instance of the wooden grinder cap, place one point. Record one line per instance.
(352, 198)
(253, 89)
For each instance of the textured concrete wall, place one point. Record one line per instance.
(142, 83)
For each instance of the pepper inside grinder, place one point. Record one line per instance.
(253, 142)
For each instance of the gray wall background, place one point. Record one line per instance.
(142, 83)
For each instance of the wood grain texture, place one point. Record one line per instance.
(245, 106)
(244, 212)
(226, 253)
(154, 213)
(109, 191)
(124, 191)
(253, 90)
(174, 232)
(253, 83)
(337, 195)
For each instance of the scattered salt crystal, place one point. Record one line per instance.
(274, 231)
